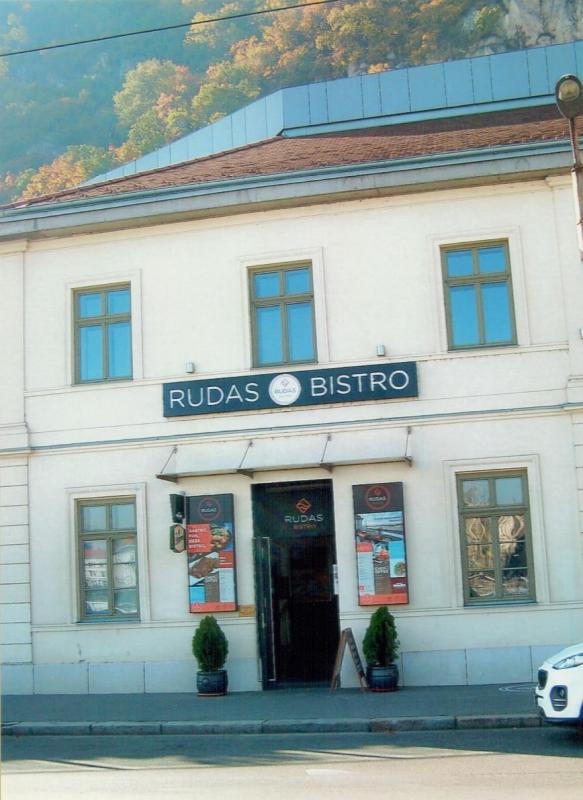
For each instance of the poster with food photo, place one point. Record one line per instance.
(381, 561)
(210, 546)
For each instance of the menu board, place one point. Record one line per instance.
(210, 546)
(381, 557)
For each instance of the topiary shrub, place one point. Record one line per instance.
(380, 644)
(209, 645)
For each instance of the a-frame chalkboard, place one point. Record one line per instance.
(347, 638)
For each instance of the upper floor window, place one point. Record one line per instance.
(478, 295)
(108, 580)
(282, 314)
(103, 349)
(495, 537)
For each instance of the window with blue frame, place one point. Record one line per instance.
(282, 308)
(103, 336)
(478, 295)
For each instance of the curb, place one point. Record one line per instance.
(190, 728)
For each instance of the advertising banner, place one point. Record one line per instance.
(210, 546)
(381, 557)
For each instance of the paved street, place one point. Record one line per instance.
(543, 763)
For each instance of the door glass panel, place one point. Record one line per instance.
(299, 326)
(496, 309)
(269, 335)
(91, 352)
(464, 315)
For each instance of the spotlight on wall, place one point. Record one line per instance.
(380, 350)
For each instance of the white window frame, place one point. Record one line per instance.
(284, 260)
(137, 491)
(531, 465)
(517, 276)
(133, 278)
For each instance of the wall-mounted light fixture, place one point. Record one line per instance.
(569, 97)
(189, 367)
(380, 350)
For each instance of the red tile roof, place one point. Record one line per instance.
(287, 155)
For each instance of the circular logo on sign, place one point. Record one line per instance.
(285, 390)
(377, 497)
(209, 508)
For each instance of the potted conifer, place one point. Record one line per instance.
(380, 646)
(210, 648)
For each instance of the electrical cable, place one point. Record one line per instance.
(190, 24)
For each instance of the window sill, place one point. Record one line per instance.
(501, 604)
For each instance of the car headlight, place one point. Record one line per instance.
(570, 661)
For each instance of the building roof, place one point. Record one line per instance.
(279, 155)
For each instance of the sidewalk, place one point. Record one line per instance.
(283, 711)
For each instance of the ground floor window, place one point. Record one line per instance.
(495, 537)
(108, 574)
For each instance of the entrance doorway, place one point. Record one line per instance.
(295, 569)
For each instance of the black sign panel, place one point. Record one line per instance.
(290, 389)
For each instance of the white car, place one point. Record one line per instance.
(559, 693)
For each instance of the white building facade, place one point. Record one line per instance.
(418, 337)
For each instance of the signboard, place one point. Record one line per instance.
(347, 638)
(210, 546)
(381, 556)
(281, 390)
(177, 538)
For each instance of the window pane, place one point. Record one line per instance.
(97, 602)
(297, 281)
(476, 493)
(93, 518)
(496, 309)
(299, 328)
(118, 301)
(478, 530)
(91, 352)
(511, 528)
(509, 491)
(459, 262)
(464, 316)
(482, 584)
(480, 556)
(95, 564)
(269, 335)
(119, 350)
(126, 601)
(492, 259)
(90, 305)
(267, 284)
(123, 517)
(515, 582)
(124, 576)
(513, 554)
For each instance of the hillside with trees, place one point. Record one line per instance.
(70, 113)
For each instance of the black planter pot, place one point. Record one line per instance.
(212, 684)
(383, 679)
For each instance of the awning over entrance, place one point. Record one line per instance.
(267, 453)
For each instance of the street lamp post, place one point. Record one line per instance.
(569, 97)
